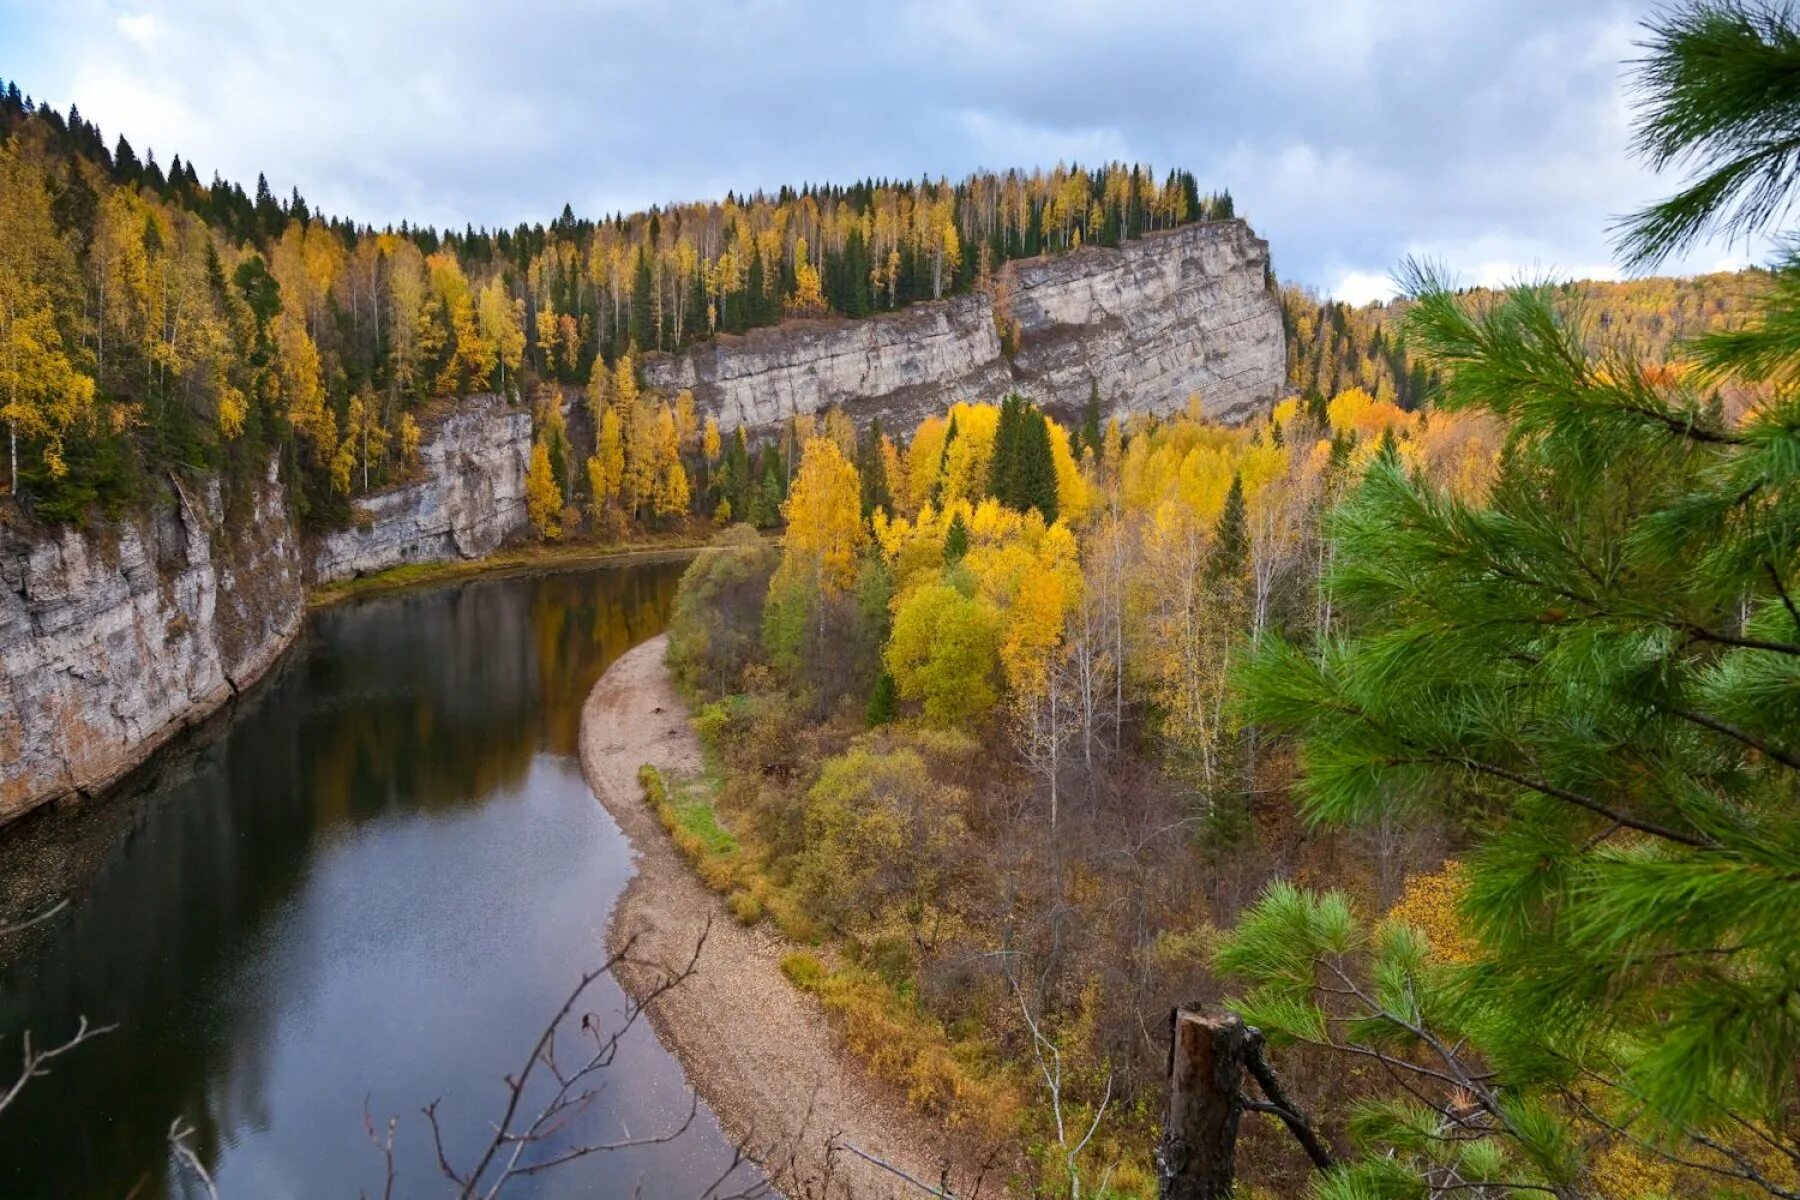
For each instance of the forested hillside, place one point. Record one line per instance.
(1438, 724)
(156, 322)
(1333, 346)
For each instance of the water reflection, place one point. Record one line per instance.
(377, 883)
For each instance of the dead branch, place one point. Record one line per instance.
(179, 1133)
(35, 1059)
(507, 1154)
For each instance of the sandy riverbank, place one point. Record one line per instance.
(759, 1052)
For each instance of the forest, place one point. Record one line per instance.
(1438, 721)
(154, 323)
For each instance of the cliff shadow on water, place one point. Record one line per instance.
(377, 880)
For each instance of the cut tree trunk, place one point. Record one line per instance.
(1198, 1157)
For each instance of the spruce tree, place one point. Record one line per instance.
(873, 471)
(884, 701)
(1231, 537)
(1004, 465)
(956, 540)
(937, 483)
(765, 503)
(1037, 465)
(1597, 670)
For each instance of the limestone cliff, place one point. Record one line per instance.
(113, 640)
(468, 497)
(1150, 322)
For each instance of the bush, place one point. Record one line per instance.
(803, 970)
(745, 907)
(716, 628)
(881, 834)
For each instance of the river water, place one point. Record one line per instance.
(371, 889)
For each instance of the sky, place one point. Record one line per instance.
(1491, 136)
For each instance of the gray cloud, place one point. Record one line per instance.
(1490, 135)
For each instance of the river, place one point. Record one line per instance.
(371, 887)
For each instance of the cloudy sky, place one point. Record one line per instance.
(1488, 134)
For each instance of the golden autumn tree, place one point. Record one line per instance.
(687, 422)
(808, 298)
(669, 483)
(606, 466)
(543, 499)
(410, 436)
(42, 393)
(824, 515)
(502, 326)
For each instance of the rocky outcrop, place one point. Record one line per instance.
(113, 640)
(469, 497)
(1183, 312)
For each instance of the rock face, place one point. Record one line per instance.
(1151, 323)
(115, 639)
(112, 641)
(469, 498)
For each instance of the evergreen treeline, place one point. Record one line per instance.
(160, 322)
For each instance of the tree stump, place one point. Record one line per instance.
(1198, 1156)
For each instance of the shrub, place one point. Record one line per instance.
(715, 629)
(745, 907)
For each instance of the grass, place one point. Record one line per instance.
(694, 814)
(959, 1082)
(694, 826)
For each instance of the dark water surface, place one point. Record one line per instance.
(378, 882)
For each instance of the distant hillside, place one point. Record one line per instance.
(169, 322)
(1334, 346)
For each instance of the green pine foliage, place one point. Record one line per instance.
(1231, 539)
(1597, 672)
(872, 469)
(956, 540)
(1022, 471)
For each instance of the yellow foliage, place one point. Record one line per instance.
(825, 530)
(409, 440)
(967, 459)
(1429, 902)
(924, 456)
(1623, 1172)
(232, 410)
(543, 499)
(943, 652)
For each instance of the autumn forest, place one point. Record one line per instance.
(1435, 719)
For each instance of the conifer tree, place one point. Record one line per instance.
(956, 540)
(937, 486)
(1600, 665)
(1231, 538)
(1037, 466)
(873, 470)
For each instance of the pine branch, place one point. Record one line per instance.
(1786, 758)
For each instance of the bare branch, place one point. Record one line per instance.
(179, 1133)
(35, 1060)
